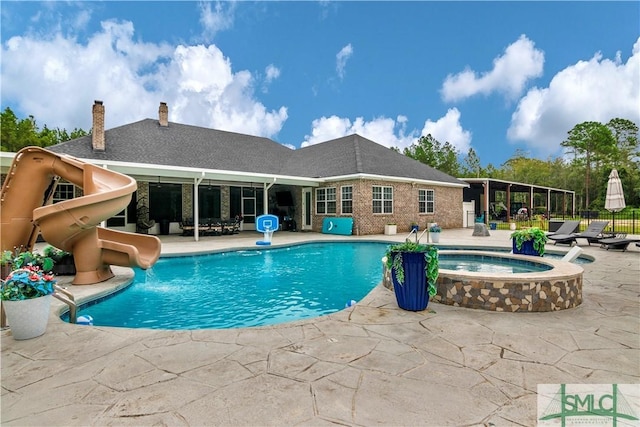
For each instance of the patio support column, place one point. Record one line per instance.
(486, 202)
(508, 202)
(573, 205)
(265, 196)
(196, 207)
(530, 201)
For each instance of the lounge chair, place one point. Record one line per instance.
(619, 242)
(567, 227)
(593, 234)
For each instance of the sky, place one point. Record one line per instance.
(499, 77)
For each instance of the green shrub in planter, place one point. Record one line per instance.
(533, 234)
(414, 271)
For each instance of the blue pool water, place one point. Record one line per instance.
(244, 288)
(488, 264)
(259, 287)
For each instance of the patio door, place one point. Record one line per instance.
(307, 209)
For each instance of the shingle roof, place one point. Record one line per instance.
(182, 145)
(355, 154)
(147, 142)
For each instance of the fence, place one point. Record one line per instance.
(620, 222)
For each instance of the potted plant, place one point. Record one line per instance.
(414, 271)
(529, 241)
(26, 258)
(434, 232)
(390, 228)
(26, 298)
(63, 261)
(415, 227)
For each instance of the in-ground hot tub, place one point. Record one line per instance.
(557, 288)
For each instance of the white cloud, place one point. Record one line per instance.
(390, 132)
(511, 72)
(448, 129)
(272, 73)
(341, 59)
(595, 90)
(383, 130)
(214, 21)
(56, 78)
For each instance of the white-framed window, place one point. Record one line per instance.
(426, 201)
(346, 199)
(64, 191)
(382, 199)
(326, 200)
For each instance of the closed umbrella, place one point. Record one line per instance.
(615, 196)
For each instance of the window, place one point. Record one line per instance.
(209, 203)
(64, 191)
(347, 199)
(246, 201)
(382, 199)
(165, 202)
(426, 201)
(326, 200)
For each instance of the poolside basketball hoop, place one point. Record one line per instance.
(266, 224)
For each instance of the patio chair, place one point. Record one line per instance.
(187, 227)
(567, 228)
(621, 241)
(593, 234)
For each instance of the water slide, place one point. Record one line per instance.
(72, 225)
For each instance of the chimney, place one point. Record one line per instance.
(163, 112)
(97, 134)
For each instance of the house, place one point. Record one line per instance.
(185, 172)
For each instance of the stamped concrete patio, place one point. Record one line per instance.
(372, 364)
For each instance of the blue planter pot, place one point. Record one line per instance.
(412, 295)
(526, 249)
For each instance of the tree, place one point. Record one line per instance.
(17, 134)
(521, 168)
(471, 165)
(591, 143)
(627, 162)
(430, 151)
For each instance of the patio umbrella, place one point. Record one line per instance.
(615, 196)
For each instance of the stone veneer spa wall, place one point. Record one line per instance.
(559, 288)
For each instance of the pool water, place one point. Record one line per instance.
(244, 288)
(488, 264)
(262, 286)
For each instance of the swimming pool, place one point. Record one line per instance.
(243, 288)
(256, 287)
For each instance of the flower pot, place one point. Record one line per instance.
(526, 249)
(390, 229)
(415, 227)
(512, 226)
(435, 237)
(412, 295)
(28, 318)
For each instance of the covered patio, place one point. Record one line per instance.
(499, 200)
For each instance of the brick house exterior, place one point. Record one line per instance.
(405, 207)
